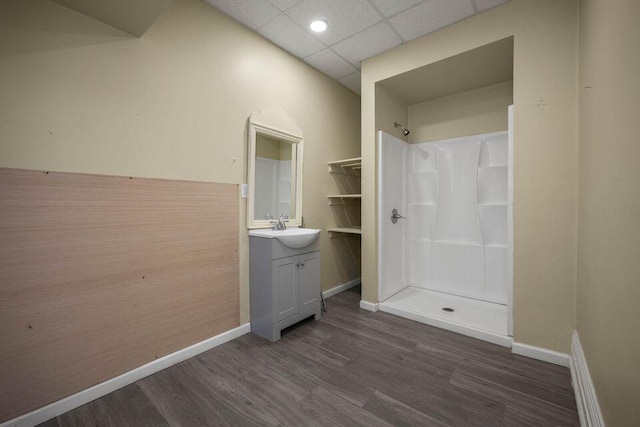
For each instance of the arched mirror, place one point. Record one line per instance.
(274, 169)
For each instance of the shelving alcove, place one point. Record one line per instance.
(348, 171)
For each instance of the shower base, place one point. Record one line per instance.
(478, 319)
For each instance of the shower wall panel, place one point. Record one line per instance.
(392, 238)
(493, 202)
(458, 256)
(422, 196)
(455, 195)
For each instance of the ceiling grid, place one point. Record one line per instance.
(357, 29)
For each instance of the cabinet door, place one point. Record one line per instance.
(285, 288)
(309, 280)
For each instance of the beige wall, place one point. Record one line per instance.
(79, 96)
(271, 148)
(545, 165)
(390, 109)
(477, 111)
(133, 17)
(609, 204)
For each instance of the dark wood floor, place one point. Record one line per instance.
(351, 368)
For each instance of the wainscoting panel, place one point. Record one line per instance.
(100, 275)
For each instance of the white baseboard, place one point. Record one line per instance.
(586, 399)
(540, 353)
(54, 409)
(366, 305)
(341, 288)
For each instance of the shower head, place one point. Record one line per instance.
(404, 130)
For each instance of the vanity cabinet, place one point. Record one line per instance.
(284, 285)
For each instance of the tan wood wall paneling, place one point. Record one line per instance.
(100, 275)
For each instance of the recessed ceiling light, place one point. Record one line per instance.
(318, 26)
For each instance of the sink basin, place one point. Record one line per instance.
(294, 238)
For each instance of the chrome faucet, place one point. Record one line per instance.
(278, 224)
(274, 223)
(282, 220)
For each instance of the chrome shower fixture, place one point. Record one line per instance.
(404, 130)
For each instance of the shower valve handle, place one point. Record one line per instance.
(395, 216)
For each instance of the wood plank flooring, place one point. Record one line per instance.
(351, 368)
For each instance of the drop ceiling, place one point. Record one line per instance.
(357, 29)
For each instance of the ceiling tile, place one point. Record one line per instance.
(345, 17)
(330, 63)
(488, 4)
(430, 16)
(288, 35)
(252, 13)
(368, 43)
(352, 81)
(284, 4)
(391, 7)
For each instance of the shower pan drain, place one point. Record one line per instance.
(448, 309)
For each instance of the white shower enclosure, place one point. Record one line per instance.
(448, 262)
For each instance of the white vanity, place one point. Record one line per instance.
(284, 262)
(284, 281)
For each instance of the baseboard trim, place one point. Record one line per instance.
(341, 288)
(586, 398)
(540, 353)
(366, 305)
(54, 409)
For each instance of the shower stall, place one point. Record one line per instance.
(445, 232)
